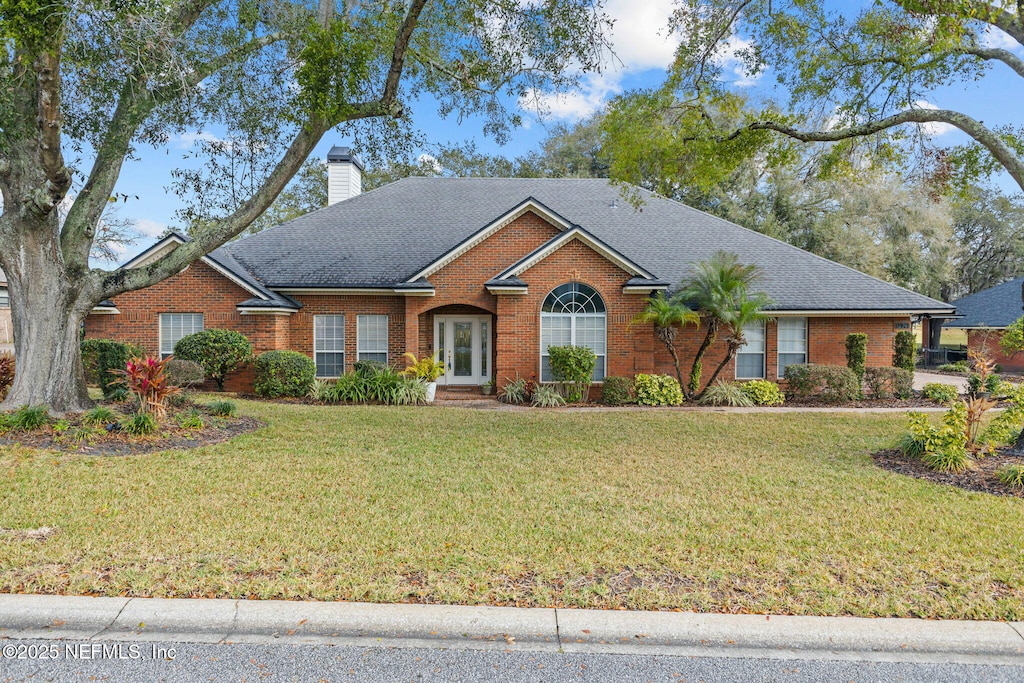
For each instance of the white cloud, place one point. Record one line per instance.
(931, 129)
(594, 91)
(148, 228)
(189, 138)
(429, 160)
(735, 69)
(992, 37)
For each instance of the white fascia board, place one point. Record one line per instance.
(506, 290)
(643, 289)
(560, 241)
(355, 290)
(487, 231)
(264, 311)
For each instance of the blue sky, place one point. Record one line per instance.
(643, 49)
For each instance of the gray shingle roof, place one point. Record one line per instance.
(993, 307)
(384, 237)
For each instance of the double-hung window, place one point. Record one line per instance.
(573, 314)
(372, 338)
(174, 326)
(750, 358)
(792, 343)
(329, 345)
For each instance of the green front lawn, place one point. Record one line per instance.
(780, 513)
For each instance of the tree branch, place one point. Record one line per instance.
(48, 120)
(998, 54)
(985, 136)
(124, 280)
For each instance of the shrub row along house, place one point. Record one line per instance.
(487, 273)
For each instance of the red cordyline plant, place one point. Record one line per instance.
(145, 378)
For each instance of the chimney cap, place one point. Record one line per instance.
(341, 154)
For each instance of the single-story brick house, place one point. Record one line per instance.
(985, 315)
(487, 273)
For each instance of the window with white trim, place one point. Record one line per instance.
(174, 326)
(750, 357)
(5, 298)
(792, 342)
(573, 314)
(372, 338)
(329, 345)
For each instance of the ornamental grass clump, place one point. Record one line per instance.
(1012, 476)
(146, 379)
(723, 393)
(546, 396)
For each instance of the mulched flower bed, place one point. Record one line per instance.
(981, 478)
(73, 436)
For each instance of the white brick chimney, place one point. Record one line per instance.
(344, 175)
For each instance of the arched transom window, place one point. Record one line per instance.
(573, 314)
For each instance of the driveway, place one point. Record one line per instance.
(922, 378)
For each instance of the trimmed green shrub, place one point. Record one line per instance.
(1005, 427)
(833, 383)
(140, 424)
(222, 408)
(219, 352)
(546, 396)
(763, 392)
(959, 366)
(6, 373)
(29, 418)
(617, 391)
(283, 373)
(657, 390)
(100, 356)
(723, 393)
(349, 388)
(904, 353)
(943, 394)
(857, 353)
(184, 373)
(1011, 475)
(573, 368)
(886, 382)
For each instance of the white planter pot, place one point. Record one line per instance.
(431, 390)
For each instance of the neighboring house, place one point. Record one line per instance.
(487, 273)
(985, 315)
(6, 328)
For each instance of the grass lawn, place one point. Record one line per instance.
(780, 513)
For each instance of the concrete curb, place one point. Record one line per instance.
(508, 628)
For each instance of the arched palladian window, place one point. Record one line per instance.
(573, 314)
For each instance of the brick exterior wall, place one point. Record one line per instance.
(987, 342)
(459, 285)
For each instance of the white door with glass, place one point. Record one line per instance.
(463, 344)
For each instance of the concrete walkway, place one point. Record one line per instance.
(508, 628)
(922, 378)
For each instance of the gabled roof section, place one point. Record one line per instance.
(560, 240)
(529, 205)
(995, 307)
(224, 263)
(395, 233)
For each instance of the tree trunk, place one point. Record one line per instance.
(1018, 446)
(692, 390)
(721, 366)
(47, 311)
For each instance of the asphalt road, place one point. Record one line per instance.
(137, 662)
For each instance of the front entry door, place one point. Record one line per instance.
(463, 344)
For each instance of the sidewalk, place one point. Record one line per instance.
(508, 628)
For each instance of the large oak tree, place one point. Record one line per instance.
(94, 80)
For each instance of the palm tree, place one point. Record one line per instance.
(716, 290)
(748, 309)
(668, 315)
